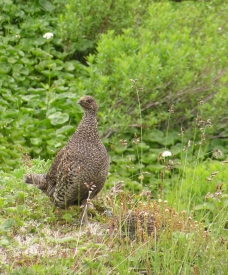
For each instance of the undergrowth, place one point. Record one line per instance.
(177, 51)
(175, 225)
(36, 240)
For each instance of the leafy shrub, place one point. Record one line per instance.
(176, 55)
(24, 63)
(82, 22)
(39, 82)
(174, 59)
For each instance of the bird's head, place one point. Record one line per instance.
(88, 103)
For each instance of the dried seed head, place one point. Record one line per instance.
(117, 188)
(133, 80)
(136, 139)
(214, 173)
(162, 175)
(181, 132)
(219, 187)
(219, 152)
(202, 137)
(123, 142)
(200, 102)
(171, 162)
(171, 111)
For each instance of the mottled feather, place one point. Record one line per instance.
(80, 166)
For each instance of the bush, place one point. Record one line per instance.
(174, 59)
(176, 55)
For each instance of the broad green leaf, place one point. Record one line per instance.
(58, 118)
(4, 242)
(69, 66)
(65, 129)
(46, 5)
(36, 141)
(7, 224)
(5, 68)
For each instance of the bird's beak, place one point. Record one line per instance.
(79, 102)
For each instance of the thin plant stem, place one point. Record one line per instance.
(141, 130)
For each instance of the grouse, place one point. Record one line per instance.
(80, 168)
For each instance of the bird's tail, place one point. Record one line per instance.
(37, 179)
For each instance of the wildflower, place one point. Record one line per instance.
(166, 154)
(18, 36)
(48, 35)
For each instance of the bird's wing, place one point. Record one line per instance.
(56, 169)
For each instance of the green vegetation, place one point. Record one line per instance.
(36, 240)
(177, 51)
(159, 72)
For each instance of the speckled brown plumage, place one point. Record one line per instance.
(80, 166)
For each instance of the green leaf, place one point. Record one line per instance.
(12, 59)
(12, 209)
(29, 97)
(69, 66)
(46, 5)
(58, 118)
(18, 76)
(7, 224)
(65, 129)
(4, 242)
(149, 158)
(67, 95)
(50, 73)
(205, 206)
(36, 141)
(5, 68)
(17, 68)
(62, 240)
(67, 217)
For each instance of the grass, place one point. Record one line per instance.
(177, 225)
(169, 217)
(37, 240)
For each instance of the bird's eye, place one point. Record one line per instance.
(88, 100)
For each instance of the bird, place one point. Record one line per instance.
(81, 167)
